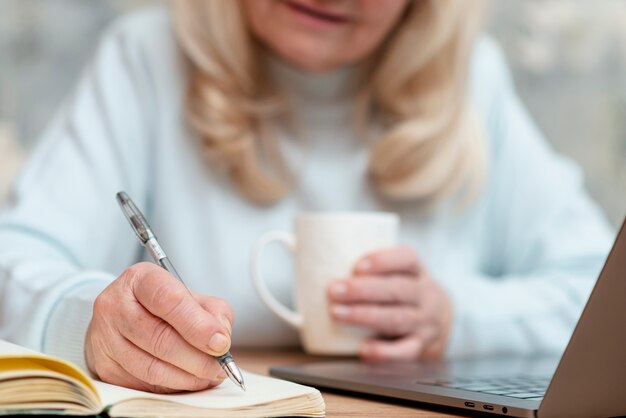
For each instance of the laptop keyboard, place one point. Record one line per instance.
(521, 387)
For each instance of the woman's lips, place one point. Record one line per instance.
(316, 15)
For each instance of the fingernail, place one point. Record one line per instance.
(339, 289)
(364, 265)
(340, 311)
(219, 343)
(226, 324)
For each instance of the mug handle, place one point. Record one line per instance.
(288, 240)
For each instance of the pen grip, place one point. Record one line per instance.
(225, 358)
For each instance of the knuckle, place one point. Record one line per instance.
(170, 297)
(223, 306)
(196, 332)
(140, 274)
(136, 271)
(154, 372)
(161, 340)
(102, 303)
(199, 384)
(189, 383)
(207, 368)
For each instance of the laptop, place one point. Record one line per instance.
(588, 380)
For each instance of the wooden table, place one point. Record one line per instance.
(337, 405)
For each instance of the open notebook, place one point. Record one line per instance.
(35, 383)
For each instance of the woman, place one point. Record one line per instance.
(225, 119)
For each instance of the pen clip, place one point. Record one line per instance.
(135, 218)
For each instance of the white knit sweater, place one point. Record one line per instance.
(518, 264)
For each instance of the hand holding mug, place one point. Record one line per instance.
(392, 293)
(324, 246)
(149, 332)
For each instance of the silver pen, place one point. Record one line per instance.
(149, 241)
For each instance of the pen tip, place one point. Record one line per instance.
(243, 386)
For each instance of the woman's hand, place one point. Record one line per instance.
(392, 294)
(149, 332)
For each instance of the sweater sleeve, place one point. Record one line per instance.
(545, 240)
(62, 237)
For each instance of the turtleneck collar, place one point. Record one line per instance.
(337, 85)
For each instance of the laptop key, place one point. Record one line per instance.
(520, 387)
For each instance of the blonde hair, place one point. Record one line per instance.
(416, 82)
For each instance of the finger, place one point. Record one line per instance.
(375, 289)
(434, 337)
(111, 372)
(401, 259)
(157, 337)
(123, 378)
(392, 320)
(219, 308)
(167, 298)
(406, 348)
(154, 371)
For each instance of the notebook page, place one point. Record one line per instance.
(260, 390)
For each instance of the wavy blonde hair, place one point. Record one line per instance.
(415, 83)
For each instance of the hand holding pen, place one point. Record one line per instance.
(149, 332)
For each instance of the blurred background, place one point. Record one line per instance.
(568, 59)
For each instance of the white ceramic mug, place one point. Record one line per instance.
(325, 247)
